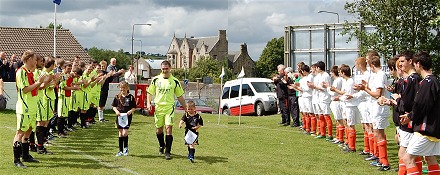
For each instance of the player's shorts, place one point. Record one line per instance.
(24, 122)
(352, 115)
(404, 138)
(94, 99)
(103, 98)
(315, 109)
(64, 106)
(363, 110)
(421, 146)
(84, 103)
(324, 108)
(46, 110)
(164, 115)
(380, 122)
(300, 104)
(307, 104)
(336, 110)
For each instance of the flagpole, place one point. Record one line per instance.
(220, 98)
(240, 96)
(221, 94)
(55, 31)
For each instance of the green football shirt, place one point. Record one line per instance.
(164, 89)
(27, 102)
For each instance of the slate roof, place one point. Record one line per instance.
(14, 40)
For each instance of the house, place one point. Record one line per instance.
(185, 52)
(241, 58)
(149, 68)
(14, 40)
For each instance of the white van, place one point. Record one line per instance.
(258, 97)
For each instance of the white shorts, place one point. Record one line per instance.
(300, 104)
(307, 104)
(352, 115)
(404, 137)
(422, 146)
(315, 108)
(336, 110)
(363, 110)
(380, 122)
(324, 108)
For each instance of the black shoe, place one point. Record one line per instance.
(282, 123)
(363, 153)
(44, 151)
(161, 150)
(31, 159)
(20, 165)
(286, 124)
(370, 158)
(384, 168)
(33, 148)
(348, 150)
(168, 156)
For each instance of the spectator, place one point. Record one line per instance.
(4, 67)
(13, 66)
(130, 77)
(112, 67)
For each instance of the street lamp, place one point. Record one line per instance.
(137, 62)
(132, 32)
(323, 11)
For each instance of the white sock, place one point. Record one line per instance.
(101, 114)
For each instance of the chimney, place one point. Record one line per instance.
(222, 35)
(243, 48)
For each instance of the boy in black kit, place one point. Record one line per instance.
(424, 118)
(193, 122)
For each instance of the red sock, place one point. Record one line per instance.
(402, 168)
(307, 123)
(376, 148)
(366, 143)
(419, 164)
(383, 154)
(342, 131)
(322, 123)
(413, 171)
(329, 123)
(433, 170)
(371, 142)
(313, 122)
(352, 139)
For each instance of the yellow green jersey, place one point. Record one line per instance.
(26, 102)
(164, 89)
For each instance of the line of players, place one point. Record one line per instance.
(363, 98)
(78, 91)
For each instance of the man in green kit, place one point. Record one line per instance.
(164, 87)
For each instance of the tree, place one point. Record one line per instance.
(123, 60)
(271, 57)
(50, 26)
(399, 25)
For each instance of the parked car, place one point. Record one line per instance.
(201, 106)
(257, 97)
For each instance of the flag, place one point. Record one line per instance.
(58, 2)
(241, 75)
(223, 73)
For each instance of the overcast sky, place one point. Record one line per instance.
(108, 24)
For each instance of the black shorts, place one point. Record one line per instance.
(103, 98)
